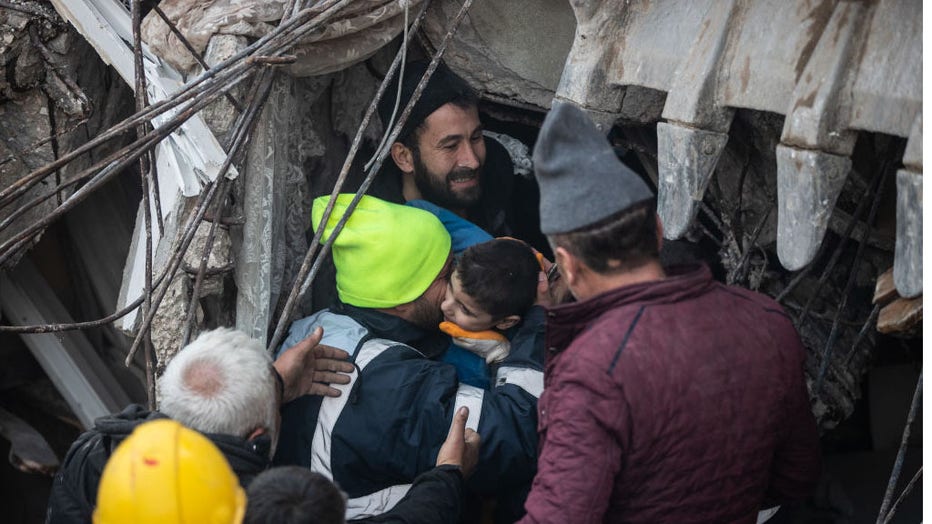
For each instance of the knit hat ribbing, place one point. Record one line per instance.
(387, 254)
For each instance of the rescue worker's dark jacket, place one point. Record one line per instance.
(74, 490)
(435, 497)
(391, 419)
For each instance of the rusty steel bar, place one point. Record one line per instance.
(240, 136)
(73, 326)
(197, 56)
(262, 84)
(906, 491)
(754, 236)
(869, 323)
(141, 103)
(306, 273)
(873, 187)
(231, 71)
(175, 262)
(849, 228)
(114, 165)
(36, 145)
(901, 454)
(852, 277)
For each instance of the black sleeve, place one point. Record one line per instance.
(74, 490)
(435, 497)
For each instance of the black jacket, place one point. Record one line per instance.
(74, 490)
(435, 497)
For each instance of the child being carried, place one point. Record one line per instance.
(492, 285)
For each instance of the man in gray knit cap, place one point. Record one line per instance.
(668, 397)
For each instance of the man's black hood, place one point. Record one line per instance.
(248, 458)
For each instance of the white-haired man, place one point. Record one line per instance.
(228, 392)
(225, 385)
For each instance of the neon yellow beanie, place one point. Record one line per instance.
(387, 254)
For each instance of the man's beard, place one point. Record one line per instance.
(426, 315)
(436, 188)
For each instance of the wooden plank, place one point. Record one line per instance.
(902, 316)
(884, 290)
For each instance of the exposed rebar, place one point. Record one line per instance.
(36, 145)
(114, 165)
(747, 252)
(240, 135)
(872, 187)
(141, 103)
(227, 74)
(906, 491)
(306, 273)
(197, 56)
(868, 324)
(259, 95)
(901, 453)
(74, 326)
(849, 286)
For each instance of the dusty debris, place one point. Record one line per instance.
(898, 315)
(29, 452)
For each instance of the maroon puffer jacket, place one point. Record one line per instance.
(681, 400)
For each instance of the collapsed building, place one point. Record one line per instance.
(148, 192)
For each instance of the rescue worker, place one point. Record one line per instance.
(165, 473)
(222, 384)
(392, 266)
(668, 397)
(442, 156)
(297, 495)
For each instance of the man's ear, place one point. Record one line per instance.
(569, 265)
(402, 311)
(256, 433)
(403, 157)
(507, 322)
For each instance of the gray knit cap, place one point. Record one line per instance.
(581, 180)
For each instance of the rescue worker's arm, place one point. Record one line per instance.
(507, 419)
(436, 496)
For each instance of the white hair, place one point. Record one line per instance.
(223, 382)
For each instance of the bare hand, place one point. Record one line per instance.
(461, 448)
(543, 284)
(308, 367)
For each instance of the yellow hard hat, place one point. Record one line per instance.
(165, 473)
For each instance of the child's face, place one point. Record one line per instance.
(462, 310)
